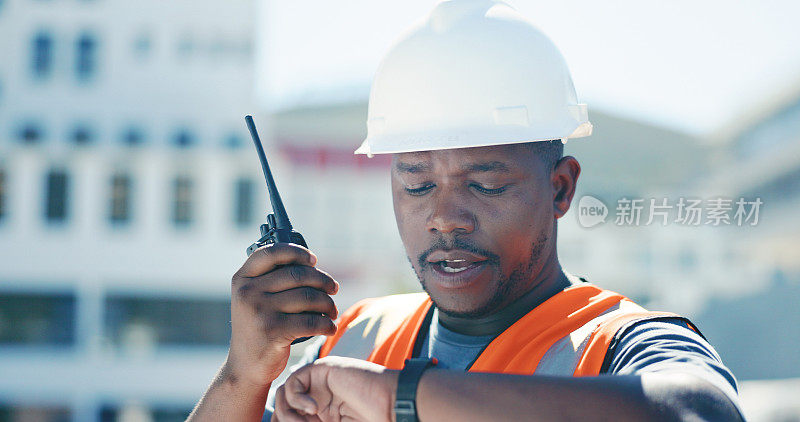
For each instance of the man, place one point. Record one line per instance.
(475, 104)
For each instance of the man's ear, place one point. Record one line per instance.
(565, 179)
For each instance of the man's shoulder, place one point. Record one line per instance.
(668, 345)
(663, 337)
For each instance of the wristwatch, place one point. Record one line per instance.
(405, 404)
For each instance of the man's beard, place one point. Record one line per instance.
(506, 286)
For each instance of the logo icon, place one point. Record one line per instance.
(591, 211)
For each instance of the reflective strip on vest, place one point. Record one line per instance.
(567, 335)
(563, 356)
(367, 324)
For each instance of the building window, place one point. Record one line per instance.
(56, 196)
(82, 135)
(142, 45)
(3, 189)
(687, 259)
(30, 133)
(247, 49)
(182, 201)
(34, 412)
(137, 411)
(86, 57)
(120, 206)
(243, 202)
(233, 141)
(184, 139)
(186, 45)
(141, 324)
(42, 57)
(133, 136)
(37, 319)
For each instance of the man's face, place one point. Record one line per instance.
(477, 223)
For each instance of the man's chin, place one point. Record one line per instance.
(461, 307)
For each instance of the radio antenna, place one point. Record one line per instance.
(281, 218)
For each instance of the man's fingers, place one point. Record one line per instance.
(291, 276)
(303, 299)
(266, 258)
(307, 324)
(292, 301)
(283, 411)
(296, 394)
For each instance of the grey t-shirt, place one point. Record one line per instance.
(647, 347)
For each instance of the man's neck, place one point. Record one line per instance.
(499, 321)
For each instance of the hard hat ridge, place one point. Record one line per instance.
(449, 12)
(473, 73)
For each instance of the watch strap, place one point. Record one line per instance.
(405, 405)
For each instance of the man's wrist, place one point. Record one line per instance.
(232, 378)
(231, 398)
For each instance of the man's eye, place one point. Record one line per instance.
(487, 191)
(420, 190)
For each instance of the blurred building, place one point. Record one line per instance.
(128, 193)
(758, 333)
(762, 158)
(342, 202)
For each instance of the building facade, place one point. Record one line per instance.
(128, 192)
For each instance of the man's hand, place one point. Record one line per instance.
(337, 389)
(276, 296)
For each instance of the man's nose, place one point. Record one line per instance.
(450, 215)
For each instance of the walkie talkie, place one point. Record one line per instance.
(278, 228)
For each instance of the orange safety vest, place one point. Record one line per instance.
(568, 334)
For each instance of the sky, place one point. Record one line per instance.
(698, 66)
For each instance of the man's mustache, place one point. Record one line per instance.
(456, 243)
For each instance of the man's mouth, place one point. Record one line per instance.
(454, 261)
(454, 265)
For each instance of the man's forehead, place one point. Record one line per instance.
(498, 158)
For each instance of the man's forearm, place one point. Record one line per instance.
(231, 399)
(450, 395)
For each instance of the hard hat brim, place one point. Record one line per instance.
(450, 139)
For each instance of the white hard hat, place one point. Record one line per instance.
(472, 73)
